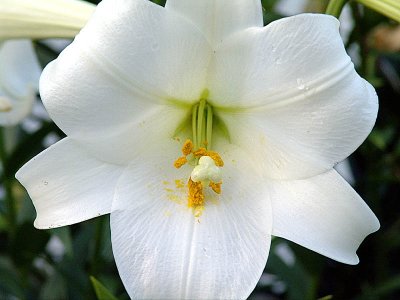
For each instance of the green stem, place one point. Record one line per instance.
(335, 7)
(7, 182)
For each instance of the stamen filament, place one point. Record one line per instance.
(194, 125)
(200, 119)
(203, 140)
(209, 126)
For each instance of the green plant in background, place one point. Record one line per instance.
(31, 266)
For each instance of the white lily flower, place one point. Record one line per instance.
(19, 80)
(275, 107)
(38, 19)
(19, 67)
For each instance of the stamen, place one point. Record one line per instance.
(200, 152)
(215, 156)
(180, 162)
(216, 187)
(206, 173)
(196, 196)
(187, 147)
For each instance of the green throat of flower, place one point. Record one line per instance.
(197, 152)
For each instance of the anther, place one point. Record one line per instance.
(187, 147)
(180, 162)
(216, 187)
(196, 196)
(200, 152)
(215, 156)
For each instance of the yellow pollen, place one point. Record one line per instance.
(196, 196)
(187, 147)
(215, 156)
(216, 187)
(180, 162)
(179, 184)
(200, 152)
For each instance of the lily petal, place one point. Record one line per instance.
(143, 134)
(19, 79)
(314, 76)
(67, 185)
(163, 252)
(218, 19)
(322, 213)
(159, 58)
(43, 18)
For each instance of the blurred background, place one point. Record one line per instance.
(58, 263)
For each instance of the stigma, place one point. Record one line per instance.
(206, 171)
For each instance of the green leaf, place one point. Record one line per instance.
(102, 292)
(10, 285)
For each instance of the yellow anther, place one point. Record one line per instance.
(196, 196)
(180, 162)
(187, 147)
(215, 156)
(200, 152)
(216, 187)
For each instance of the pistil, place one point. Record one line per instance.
(207, 163)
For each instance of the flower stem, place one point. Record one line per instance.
(335, 7)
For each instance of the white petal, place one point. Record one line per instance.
(12, 111)
(163, 252)
(305, 113)
(19, 79)
(322, 213)
(279, 63)
(67, 185)
(143, 134)
(219, 19)
(130, 55)
(19, 67)
(40, 19)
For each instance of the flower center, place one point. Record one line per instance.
(207, 163)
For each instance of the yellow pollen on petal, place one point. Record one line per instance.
(180, 162)
(179, 184)
(196, 196)
(187, 147)
(216, 187)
